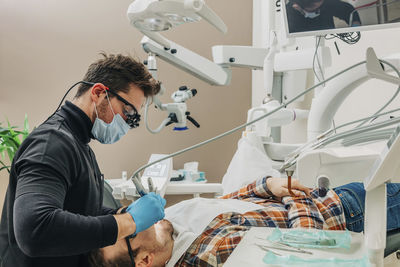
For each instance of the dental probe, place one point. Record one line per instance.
(289, 174)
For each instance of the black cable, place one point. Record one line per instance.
(65, 95)
(349, 37)
(337, 48)
(62, 100)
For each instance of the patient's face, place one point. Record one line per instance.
(156, 239)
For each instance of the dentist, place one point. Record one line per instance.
(316, 15)
(53, 211)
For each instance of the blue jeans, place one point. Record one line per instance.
(352, 197)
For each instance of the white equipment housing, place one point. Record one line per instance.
(340, 164)
(189, 61)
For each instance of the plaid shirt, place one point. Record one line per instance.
(223, 234)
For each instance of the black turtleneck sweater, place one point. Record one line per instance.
(53, 211)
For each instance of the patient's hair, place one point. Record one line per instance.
(95, 259)
(118, 72)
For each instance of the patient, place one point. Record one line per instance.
(206, 231)
(152, 247)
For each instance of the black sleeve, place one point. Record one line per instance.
(343, 11)
(106, 210)
(42, 228)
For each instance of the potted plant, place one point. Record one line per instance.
(10, 140)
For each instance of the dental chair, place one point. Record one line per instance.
(392, 239)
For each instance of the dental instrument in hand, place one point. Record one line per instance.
(139, 187)
(151, 185)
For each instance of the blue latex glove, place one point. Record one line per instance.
(146, 211)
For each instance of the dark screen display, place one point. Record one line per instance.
(318, 15)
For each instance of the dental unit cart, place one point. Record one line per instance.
(160, 174)
(155, 178)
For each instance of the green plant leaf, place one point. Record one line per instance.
(14, 135)
(10, 153)
(26, 128)
(3, 154)
(9, 141)
(11, 138)
(16, 140)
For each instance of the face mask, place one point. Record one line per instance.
(311, 15)
(109, 133)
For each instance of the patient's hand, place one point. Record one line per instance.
(278, 187)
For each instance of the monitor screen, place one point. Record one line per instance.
(321, 17)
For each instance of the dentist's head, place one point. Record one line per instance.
(112, 94)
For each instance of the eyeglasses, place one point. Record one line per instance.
(130, 250)
(129, 110)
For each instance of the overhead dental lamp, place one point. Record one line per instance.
(161, 15)
(153, 16)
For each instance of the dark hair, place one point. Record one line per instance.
(95, 259)
(305, 3)
(118, 72)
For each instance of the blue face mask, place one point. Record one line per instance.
(311, 15)
(109, 133)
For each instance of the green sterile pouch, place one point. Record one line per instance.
(291, 260)
(304, 238)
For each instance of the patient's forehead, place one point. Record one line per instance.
(156, 237)
(160, 233)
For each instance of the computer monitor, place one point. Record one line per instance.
(322, 17)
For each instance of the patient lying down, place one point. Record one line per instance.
(204, 232)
